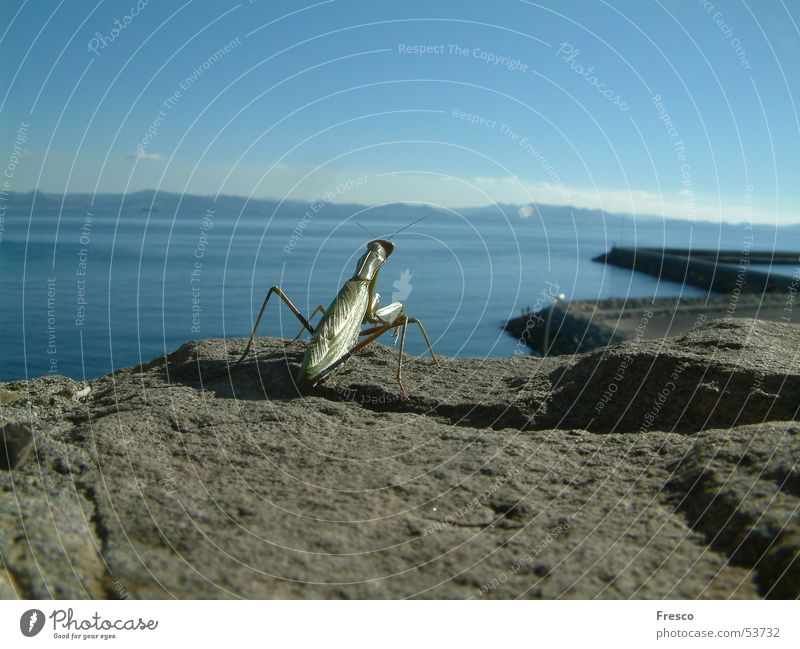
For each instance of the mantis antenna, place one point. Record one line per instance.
(369, 232)
(405, 227)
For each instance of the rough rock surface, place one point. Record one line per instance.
(502, 479)
(561, 329)
(584, 325)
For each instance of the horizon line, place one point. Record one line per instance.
(418, 204)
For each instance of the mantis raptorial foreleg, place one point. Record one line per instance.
(406, 322)
(425, 336)
(288, 302)
(321, 309)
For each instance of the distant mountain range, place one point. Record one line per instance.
(150, 200)
(142, 200)
(159, 201)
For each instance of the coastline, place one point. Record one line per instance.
(583, 325)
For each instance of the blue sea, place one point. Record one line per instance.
(86, 290)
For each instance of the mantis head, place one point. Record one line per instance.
(377, 253)
(385, 244)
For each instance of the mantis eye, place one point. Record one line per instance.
(387, 246)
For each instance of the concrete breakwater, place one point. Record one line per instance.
(557, 330)
(583, 325)
(735, 291)
(721, 272)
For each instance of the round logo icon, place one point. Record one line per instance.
(31, 622)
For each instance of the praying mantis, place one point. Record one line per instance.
(336, 338)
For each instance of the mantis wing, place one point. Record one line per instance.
(336, 333)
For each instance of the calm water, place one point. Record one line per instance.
(84, 298)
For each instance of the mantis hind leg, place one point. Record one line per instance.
(294, 309)
(319, 309)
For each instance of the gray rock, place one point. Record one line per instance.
(721, 374)
(558, 329)
(742, 494)
(15, 445)
(179, 479)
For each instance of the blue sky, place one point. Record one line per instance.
(449, 103)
